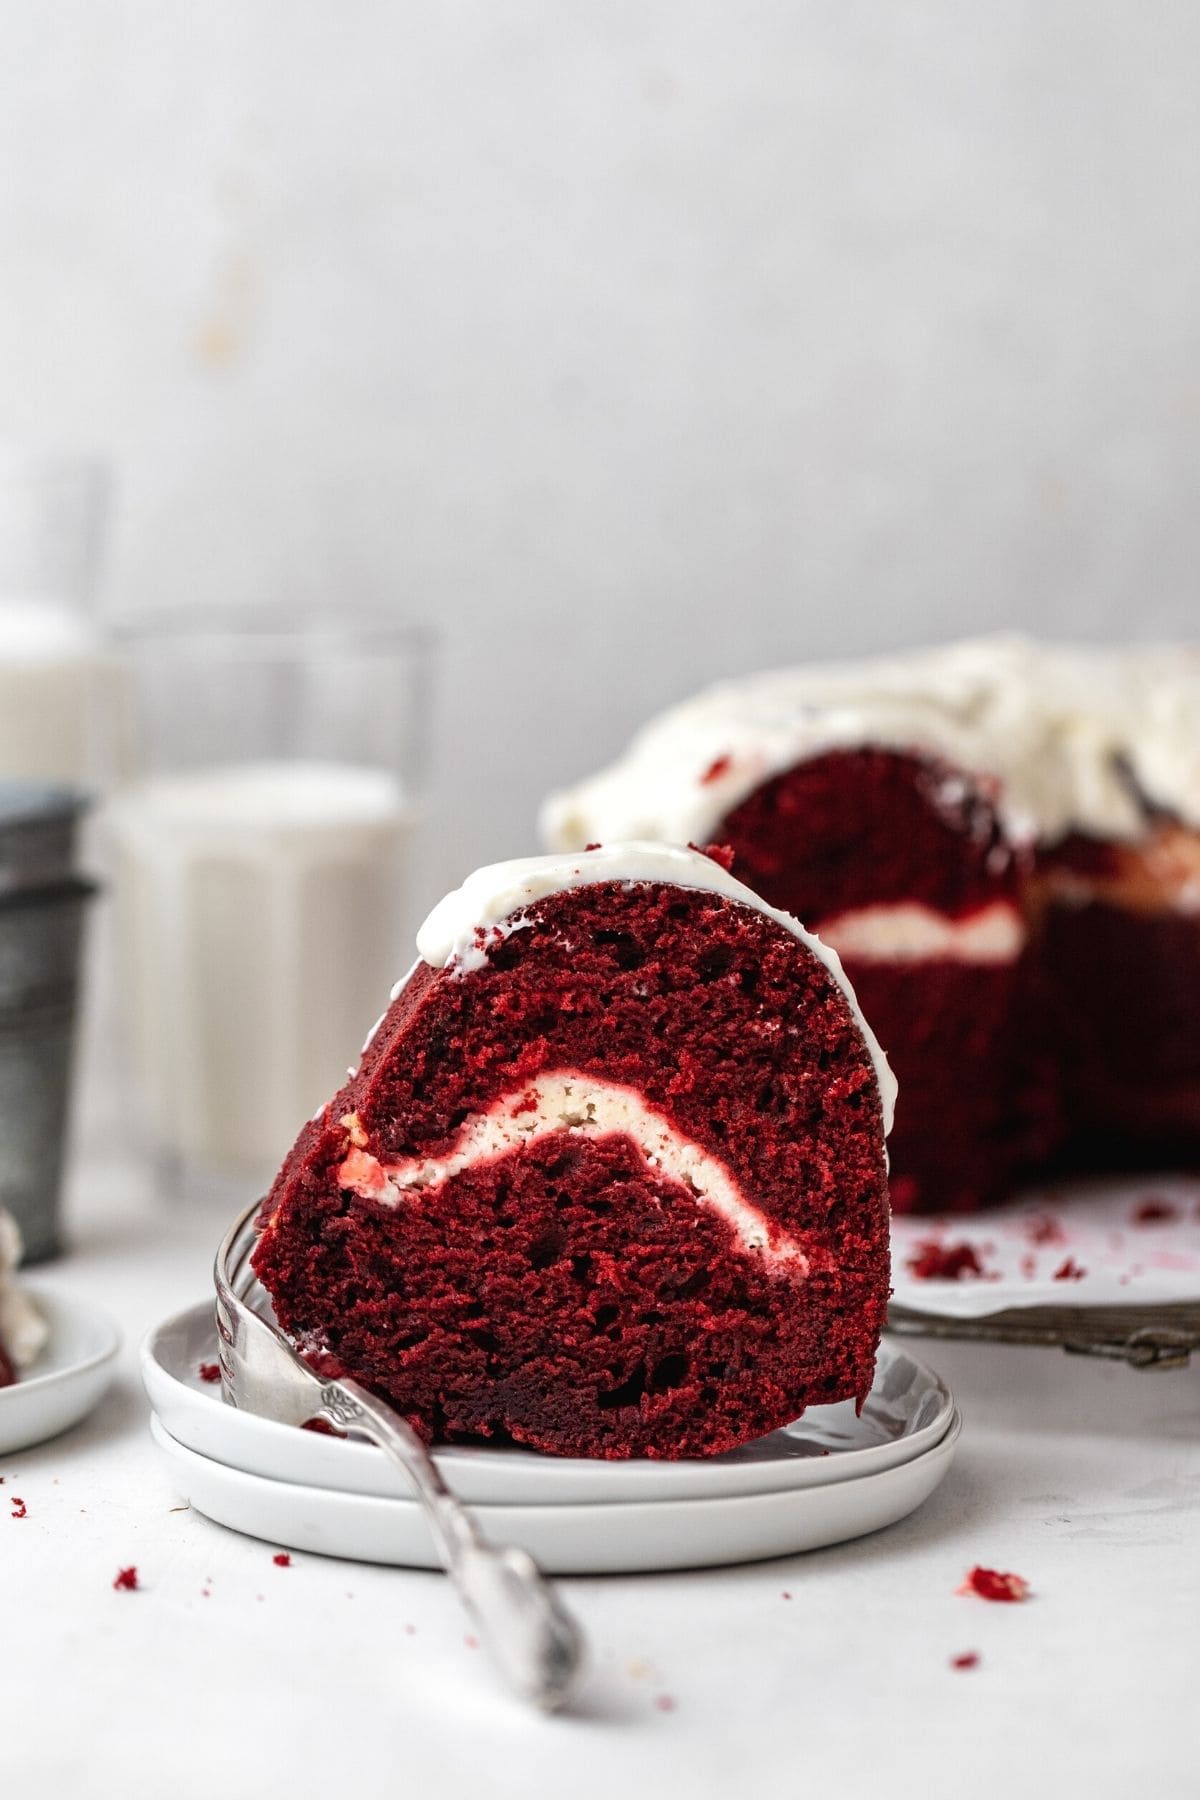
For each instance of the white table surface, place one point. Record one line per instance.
(225, 1676)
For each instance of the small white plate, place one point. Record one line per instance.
(618, 1538)
(68, 1378)
(907, 1411)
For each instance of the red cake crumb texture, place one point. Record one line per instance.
(19, 1508)
(126, 1579)
(966, 1659)
(935, 1261)
(1069, 1270)
(990, 1584)
(209, 1371)
(282, 1560)
(864, 828)
(558, 1289)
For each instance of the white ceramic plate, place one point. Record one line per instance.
(68, 1378)
(907, 1412)
(620, 1537)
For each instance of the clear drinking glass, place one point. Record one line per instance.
(259, 860)
(55, 674)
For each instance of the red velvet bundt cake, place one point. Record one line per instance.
(610, 1179)
(1003, 843)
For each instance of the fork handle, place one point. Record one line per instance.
(529, 1634)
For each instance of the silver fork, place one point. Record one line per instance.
(532, 1638)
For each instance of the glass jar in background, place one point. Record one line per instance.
(259, 861)
(55, 674)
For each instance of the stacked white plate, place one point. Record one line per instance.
(831, 1476)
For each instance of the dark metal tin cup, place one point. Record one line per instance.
(42, 908)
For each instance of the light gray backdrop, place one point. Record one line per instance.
(629, 342)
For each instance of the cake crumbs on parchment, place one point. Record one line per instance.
(1044, 1228)
(126, 1580)
(665, 1702)
(282, 1560)
(993, 1584)
(209, 1371)
(966, 1659)
(785, 1595)
(719, 766)
(1069, 1270)
(934, 1261)
(19, 1508)
(1154, 1210)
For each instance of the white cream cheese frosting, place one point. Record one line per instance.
(1074, 735)
(495, 902)
(23, 1331)
(584, 1107)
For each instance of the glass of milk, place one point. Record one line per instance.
(258, 865)
(55, 674)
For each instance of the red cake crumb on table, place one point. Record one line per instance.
(991, 1584)
(665, 1702)
(126, 1579)
(1154, 1212)
(934, 1261)
(1069, 1270)
(966, 1659)
(471, 1641)
(19, 1508)
(209, 1371)
(1044, 1230)
(282, 1560)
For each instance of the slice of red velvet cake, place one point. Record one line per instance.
(610, 1179)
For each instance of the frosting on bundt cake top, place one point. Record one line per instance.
(1078, 738)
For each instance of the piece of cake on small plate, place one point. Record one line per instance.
(23, 1331)
(610, 1179)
